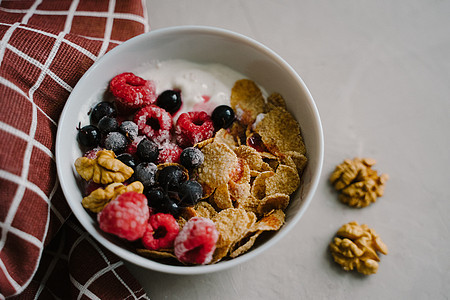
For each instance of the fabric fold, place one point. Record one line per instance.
(45, 48)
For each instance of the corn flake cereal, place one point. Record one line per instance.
(218, 163)
(286, 180)
(280, 132)
(247, 101)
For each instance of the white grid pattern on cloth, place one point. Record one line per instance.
(31, 142)
(20, 191)
(31, 11)
(115, 15)
(108, 28)
(85, 236)
(69, 18)
(69, 43)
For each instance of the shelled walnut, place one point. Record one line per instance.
(104, 169)
(359, 185)
(98, 199)
(355, 247)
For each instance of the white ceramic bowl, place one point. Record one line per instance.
(202, 45)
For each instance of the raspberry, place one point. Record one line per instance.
(132, 92)
(161, 232)
(92, 154)
(193, 127)
(91, 186)
(155, 123)
(170, 152)
(126, 216)
(196, 242)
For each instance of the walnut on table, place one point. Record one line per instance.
(359, 185)
(355, 247)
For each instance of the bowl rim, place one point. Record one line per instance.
(201, 269)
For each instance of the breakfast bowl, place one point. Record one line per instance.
(202, 45)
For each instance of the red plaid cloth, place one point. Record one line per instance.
(45, 47)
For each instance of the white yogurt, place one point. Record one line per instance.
(202, 86)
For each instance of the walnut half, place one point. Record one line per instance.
(100, 197)
(355, 247)
(104, 169)
(359, 185)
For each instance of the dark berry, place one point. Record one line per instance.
(147, 150)
(145, 172)
(127, 159)
(170, 100)
(191, 157)
(171, 206)
(107, 124)
(89, 136)
(129, 129)
(191, 191)
(156, 198)
(171, 177)
(101, 110)
(223, 116)
(116, 142)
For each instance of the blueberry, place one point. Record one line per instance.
(222, 116)
(191, 157)
(101, 110)
(191, 191)
(127, 159)
(145, 172)
(171, 203)
(116, 142)
(156, 198)
(89, 136)
(170, 100)
(171, 177)
(107, 124)
(147, 150)
(129, 129)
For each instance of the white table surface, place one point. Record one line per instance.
(379, 72)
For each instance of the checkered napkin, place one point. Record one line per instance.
(45, 48)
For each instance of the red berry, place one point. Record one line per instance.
(155, 123)
(193, 127)
(161, 232)
(169, 152)
(132, 92)
(126, 216)
(196, 242)
(91, 186)
(92, 154)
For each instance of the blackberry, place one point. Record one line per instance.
(127, 159)
(147, 150)
(171, 177)
(101, 110)
(107, 124)
(129, 129)
(191, 192)
(170, 100)
(116, 142)
(191, 157)
(88, 136)
(222, 116)
(145, 172)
